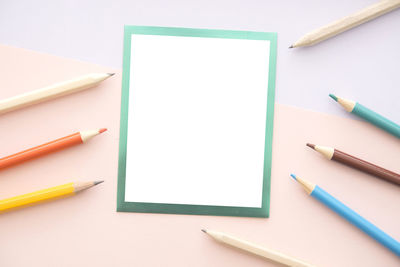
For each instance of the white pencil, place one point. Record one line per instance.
(52, 91)
(256, 249)
(346, 23)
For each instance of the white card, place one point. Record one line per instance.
(196, 120)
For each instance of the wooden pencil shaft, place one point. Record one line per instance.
(258, 250)
(51, 92)
(80, 186)
(266, 253)
(371, 12)
(365, 166)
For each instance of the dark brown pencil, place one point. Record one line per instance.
(362, 165)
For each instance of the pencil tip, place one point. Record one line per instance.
(97, 182)
(204, 231)
(311, 145)
(110, 74)
(102, 130)
(291, 46)
(333, 97)
(293, 176)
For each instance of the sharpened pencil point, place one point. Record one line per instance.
(311, 145)
(204, 231)
(333, 97)
(97, 182)
(102, 130)
(291, 46)
(293, 176)
(110, 74)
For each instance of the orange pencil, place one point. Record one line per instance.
(58, 144)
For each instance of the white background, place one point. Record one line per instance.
(362, 64)
(197, 116)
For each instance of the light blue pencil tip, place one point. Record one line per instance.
(293, 176)
(333, 97)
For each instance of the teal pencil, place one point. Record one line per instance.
(368, 115)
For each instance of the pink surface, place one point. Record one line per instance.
(85, 230)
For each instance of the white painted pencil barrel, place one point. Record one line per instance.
(258, 250)
(51, 92)
(346, 23)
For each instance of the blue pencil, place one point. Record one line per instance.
(368, 115)
(350, 215)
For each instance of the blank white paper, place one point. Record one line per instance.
(196, 121)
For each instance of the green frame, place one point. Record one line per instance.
(183, 208)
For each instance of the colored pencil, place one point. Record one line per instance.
(362, 165)
(52, 146)
(368, 115)
(371, 12)
(256, 249)
(52, 91)
(318, 193)
(51, 193)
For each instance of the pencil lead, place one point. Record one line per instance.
(291, 46)
(333, 97)
(102, 130)
(311, 145)
(293, 176)
(110, 74)
(204, 231)
(97, 182)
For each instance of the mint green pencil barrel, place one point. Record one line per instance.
(368, 115)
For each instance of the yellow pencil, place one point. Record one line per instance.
(44, 195)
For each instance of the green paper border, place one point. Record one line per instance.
(195, 209)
